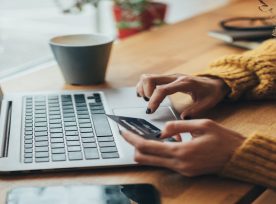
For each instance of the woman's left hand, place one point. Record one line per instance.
(210, 149)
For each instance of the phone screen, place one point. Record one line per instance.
(85, 194)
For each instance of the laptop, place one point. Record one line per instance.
(69, 129)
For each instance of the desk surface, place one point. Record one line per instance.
(180, 48)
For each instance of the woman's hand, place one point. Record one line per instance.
(206, 92)
(210, 149)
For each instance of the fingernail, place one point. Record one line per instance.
(146, 98)
(148, 111)
(187, 118)
(138, 95)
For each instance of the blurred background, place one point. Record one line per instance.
(27, 25)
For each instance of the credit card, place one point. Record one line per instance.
(138, 126)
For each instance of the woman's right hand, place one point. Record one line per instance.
(206, 92)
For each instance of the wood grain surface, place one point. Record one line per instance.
(179, 48)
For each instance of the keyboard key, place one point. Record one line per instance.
(43, 159)
(28, 137)
(73, 143)
(27, 146)
(95, 104)
(56, 130)
(74, 148)
(28, 125)
(28, 117)
(53, 117)
(41, 144)
(28, 160)
(101, 125)
(55, 108)
(40, 111)
(84, 121)
(110, 155)
(29, 121)
(41, 124)
(57, 140)
(28, 132)
(57, 145)
(73, 119)
(107, 144)
(83, 117)
(86, 130)
(105, 139)
(41, 154)
(40, 115)
(28, 141)
(108, 149)
(28, 150)
(67, 124)
(67, 103)
(28, 155)
(28, 128)
(37, 120)
(38, 134)
(58, 151)
(83, 112)
(87, 145)
(93, 108)
(54, 112)
(56, 135)
(69, 115)
(85, 125)
(91, 153)
(38, 139)
(87, 134)
(40, 129)
(68, 111)
(55, 121)
(72, 138)
(81, 108)
(71, 128)
(88, 139)
(58, 157)
(75, 156)
(42, 149)
(71, 133)
(55, 126)
(97, 111)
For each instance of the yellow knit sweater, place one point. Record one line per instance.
(251, 75)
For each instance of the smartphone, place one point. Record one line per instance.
(85, 194)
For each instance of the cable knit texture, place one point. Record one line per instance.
(251, 75)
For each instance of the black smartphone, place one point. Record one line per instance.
(85, 194)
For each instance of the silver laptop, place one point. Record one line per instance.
(69, 129)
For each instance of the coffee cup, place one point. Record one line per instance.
(82, 58)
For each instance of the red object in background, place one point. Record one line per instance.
(154, 12)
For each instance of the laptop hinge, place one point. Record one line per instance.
(6, 131)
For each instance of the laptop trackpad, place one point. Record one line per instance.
(159, 118)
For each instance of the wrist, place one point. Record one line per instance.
(223, 88)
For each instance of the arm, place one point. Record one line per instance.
(251, 75)
(254, 161)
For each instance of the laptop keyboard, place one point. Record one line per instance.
(67, 127)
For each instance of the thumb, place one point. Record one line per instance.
(176, 127)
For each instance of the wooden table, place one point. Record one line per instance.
(180, 48)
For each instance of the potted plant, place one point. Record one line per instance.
(133, 16)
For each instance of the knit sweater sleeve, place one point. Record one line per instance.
(254, 161)
(251, 75)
